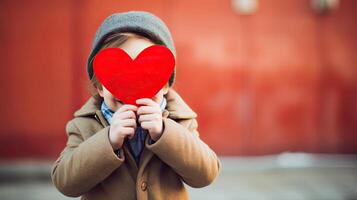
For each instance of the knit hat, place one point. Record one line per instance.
(139, 22)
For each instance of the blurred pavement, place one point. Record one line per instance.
(287, 176)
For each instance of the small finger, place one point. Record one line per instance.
(146, 101)
(148, 110)
(147, 125)
(127, 130)
(127, 107)
(148, 117)
(129, 123)
(127, 115)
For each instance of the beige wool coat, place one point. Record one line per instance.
(88, 166)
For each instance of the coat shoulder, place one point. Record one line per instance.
(86, 126)
(90, 107)
(177, 107)
(85, 119)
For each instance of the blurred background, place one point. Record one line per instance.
(274, 84)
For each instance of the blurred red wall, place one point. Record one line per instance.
(281, 79)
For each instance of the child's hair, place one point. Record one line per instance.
(116, 40)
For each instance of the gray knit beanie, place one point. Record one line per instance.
(139, 22)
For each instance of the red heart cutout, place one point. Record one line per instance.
(128, 79)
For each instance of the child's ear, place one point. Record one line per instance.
(166, 88)
(100, 92)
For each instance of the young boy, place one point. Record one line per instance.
(121, 151)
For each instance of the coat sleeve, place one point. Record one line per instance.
(181, 148)
(84, 163)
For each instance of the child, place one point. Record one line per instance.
(121, 151)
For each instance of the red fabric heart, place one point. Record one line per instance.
(128, 79)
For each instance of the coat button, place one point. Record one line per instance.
(143, 186)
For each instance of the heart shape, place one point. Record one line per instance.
(128, 79)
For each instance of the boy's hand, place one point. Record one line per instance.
(123, 125)
(150, 117)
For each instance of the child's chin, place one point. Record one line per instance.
(116, 106)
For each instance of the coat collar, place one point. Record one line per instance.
(176, 107)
